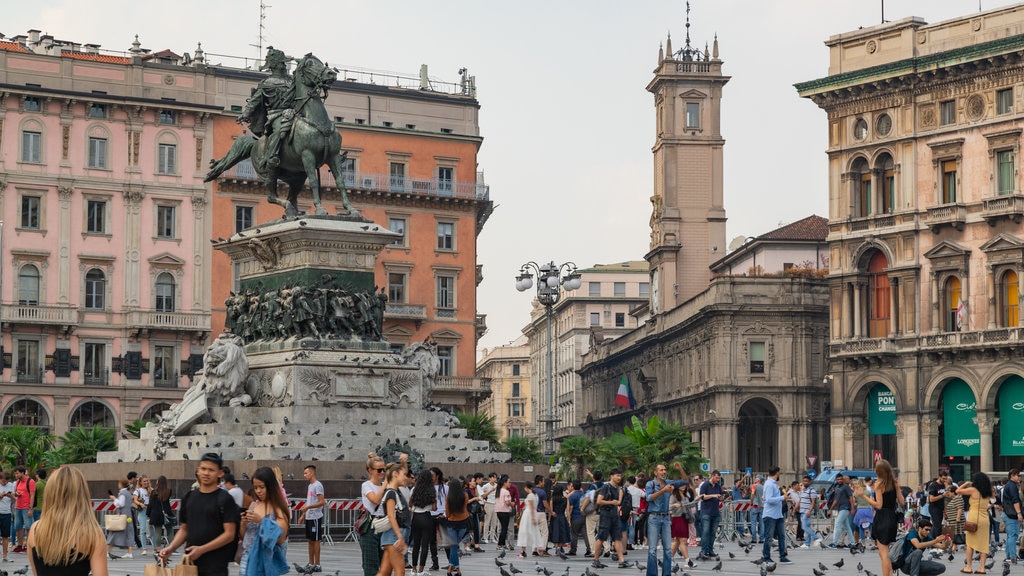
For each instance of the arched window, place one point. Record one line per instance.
(28, 285)
(95, 289)
(165, 292)
(861, 175)
(879, 301)
(885, 169)
(89, 414)
(1009, 299)
(951, 304)
(26, 412)
(155, 410)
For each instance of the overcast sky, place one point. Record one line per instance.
(567, 124)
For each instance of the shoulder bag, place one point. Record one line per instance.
(115, 522)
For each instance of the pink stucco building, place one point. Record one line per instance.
(105, 280)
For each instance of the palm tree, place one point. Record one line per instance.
(82, 444)
(24, 445)
(135, 428)
(579, 452)
(479, 427)
(523, 449)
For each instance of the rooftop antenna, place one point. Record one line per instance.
(262, 28)
(687, 26)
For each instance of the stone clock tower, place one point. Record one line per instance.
(688, 216)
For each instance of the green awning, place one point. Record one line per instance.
(1011, 417)
(881, 410)
(958, 413)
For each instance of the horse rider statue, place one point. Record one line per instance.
(269, 109)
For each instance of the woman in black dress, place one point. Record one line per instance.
(559, 535)
(885, 499)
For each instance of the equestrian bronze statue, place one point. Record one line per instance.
(292, 135)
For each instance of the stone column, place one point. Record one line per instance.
(929, 444)
(856, 311)
(64, 193)
(934, 307)
(894, 306)
(991, 306)
(133, 195)
(986, 422)
(787, 438)
(200, 246)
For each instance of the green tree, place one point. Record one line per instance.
(578, 453)
(479, 427)
(639, 447)
(135, 428)
(24, 446)
(81, 444)
(523, 449)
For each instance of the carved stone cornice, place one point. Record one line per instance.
(65, 191)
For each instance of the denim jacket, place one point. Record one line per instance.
(266, 556)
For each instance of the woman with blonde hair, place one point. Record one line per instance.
(67, 539)
(122, 505)
(372, 494)
(887, 496)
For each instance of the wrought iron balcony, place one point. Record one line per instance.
(436, 187)
(868, 350)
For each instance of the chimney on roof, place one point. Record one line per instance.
(136, 46)
(93, 49)
(33, 36)
(200, 57)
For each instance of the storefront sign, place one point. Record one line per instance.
(958, 413)
(881, 410)
(1011, 417)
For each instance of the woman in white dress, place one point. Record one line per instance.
(530, 538)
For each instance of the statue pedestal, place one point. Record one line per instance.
(322, 384)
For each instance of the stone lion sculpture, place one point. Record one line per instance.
(220, 383)
(225, 370)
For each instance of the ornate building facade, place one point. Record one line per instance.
(106, 259)
(601, 309)
(506, 371)
(924, 128)
(737, 360)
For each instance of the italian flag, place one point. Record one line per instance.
(624, 397)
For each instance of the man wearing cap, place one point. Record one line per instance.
(208, 521)
(659, 525)
(756, 509)
(269, 108)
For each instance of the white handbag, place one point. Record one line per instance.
(381, 524)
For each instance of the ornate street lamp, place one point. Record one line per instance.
(551, 280)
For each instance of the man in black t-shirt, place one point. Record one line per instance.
(937, 497)
(208, 522)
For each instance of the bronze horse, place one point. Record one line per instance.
(313, 142)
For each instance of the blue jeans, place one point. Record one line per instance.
(23, 521)
(756, 529)
(809, 534)
(707, 533)
(843, 524)
(774, 528)
(1012, 531)
(659, 529)
(457, 531)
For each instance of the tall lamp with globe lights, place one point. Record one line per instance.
(551, 280)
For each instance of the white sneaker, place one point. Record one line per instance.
(143, 553)
(804, 547)
(128, 555)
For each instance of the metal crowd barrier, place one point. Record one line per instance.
(339, 516)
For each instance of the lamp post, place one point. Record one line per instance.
(551, 279)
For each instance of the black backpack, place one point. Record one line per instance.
(626, 506)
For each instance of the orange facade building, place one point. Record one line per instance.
(412, 167)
